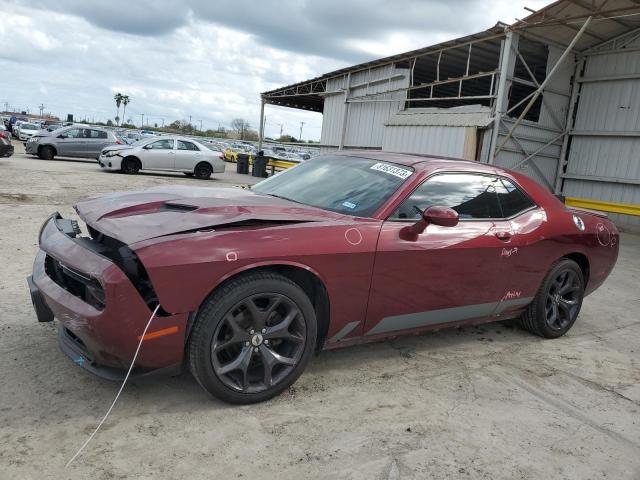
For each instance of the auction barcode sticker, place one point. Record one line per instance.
(399, 172)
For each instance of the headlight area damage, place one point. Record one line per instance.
(101, 294)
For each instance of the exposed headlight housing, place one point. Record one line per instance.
(111, 153)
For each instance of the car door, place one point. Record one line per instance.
(70, 143)
(188, 155)
(447, 274)
(96, 140)
(159, 155)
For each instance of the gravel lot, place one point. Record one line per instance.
(489, 402)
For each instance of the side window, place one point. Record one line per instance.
(472, 196)
(98, 134)
(73, 133)
(511, 198)
(162, 145)
(182, 145)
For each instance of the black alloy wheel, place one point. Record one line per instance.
(252, 338)
(258, 343)
(557, 304)
(563, 300)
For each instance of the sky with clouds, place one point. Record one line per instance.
(210, 59)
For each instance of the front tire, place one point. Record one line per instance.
(46, 153)
(130, 166)
(252, 338)
(557, 304)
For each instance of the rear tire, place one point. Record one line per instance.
(46, 153)
(203, 171)
(252, 338)
(130, 166)
(557, 304)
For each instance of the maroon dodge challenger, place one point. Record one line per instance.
(342, 249)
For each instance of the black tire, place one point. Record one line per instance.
(203, 171)
(188, 174)
(238, 366)
(130, 166)
(46, 153)
(557, 304)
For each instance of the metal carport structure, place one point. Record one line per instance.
(562, 85)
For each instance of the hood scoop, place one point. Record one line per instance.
(177, 207)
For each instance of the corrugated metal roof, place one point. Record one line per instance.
(559, 21)
(464, 116)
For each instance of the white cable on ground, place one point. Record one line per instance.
(119, 391)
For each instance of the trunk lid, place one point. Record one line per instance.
(132, 217)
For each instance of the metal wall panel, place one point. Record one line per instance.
(607, 107)
(333, 112)
(365, 120)
(365, 123)
(447, 141)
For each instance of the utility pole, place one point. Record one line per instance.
(141, 120)
(190, 128)
(300, 137)
(41, 107)
(281, 125)
(200, 125)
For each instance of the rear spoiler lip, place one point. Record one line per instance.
(588, 211)
(595, 213)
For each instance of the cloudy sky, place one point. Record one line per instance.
(210, 59)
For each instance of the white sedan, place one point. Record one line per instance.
(27, 130)
(175, 154)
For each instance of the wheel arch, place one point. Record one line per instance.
(583, 262)
(55, 150)
(304, 276)
(133, 157)
(206, 162)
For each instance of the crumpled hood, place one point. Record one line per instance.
(117, 147)
(144, 214)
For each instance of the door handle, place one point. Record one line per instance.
(504, 235)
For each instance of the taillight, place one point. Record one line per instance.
(3, 135)
(221, 157)
(118, 142)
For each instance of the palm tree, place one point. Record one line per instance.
(125, 102)
(118, 98)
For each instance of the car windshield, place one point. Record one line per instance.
(28, 126)
(349, 185)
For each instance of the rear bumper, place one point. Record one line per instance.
(101, 339)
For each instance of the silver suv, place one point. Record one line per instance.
(73, 141)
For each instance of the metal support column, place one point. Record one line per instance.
(261, 134)
(575, 89)
(507, 65)
(345, 117)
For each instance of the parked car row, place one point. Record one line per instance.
(166, 153)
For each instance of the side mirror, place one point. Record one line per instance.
(63, 136)
(147, 147)
(442, 216)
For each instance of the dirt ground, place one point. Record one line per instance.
(490, 402)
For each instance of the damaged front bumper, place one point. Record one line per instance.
(101, 312)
